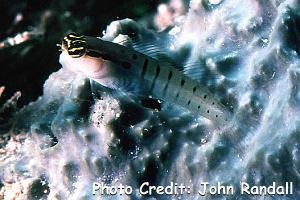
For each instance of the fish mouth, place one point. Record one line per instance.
(62, 47)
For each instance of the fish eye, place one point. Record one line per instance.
(77, 50)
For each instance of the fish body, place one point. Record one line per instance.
(117, 66)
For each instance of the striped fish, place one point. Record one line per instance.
(117, 66)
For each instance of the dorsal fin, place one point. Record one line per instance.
(197, 71)
(214, 65)
(157, 48)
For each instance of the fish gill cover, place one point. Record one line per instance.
(78, 132)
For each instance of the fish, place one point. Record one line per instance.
(123, 68)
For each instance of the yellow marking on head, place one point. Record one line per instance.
(79, 41)
(75, 36)
(75, 45)
(75, 49)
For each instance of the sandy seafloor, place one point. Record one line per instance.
(77, 132)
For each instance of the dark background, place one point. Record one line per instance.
(26, 66)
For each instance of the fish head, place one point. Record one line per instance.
(77, 58)
(74, 44)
